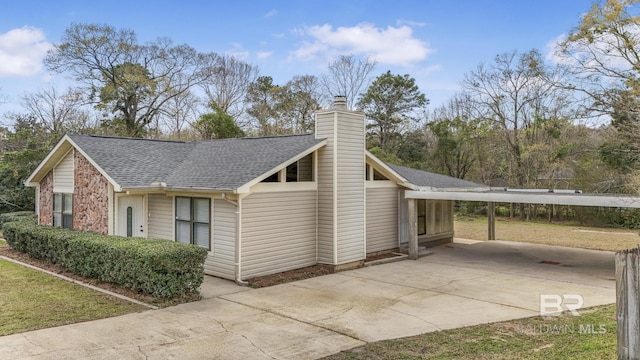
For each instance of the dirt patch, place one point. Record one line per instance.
(17, 255)
(308, 272)
(292, 275)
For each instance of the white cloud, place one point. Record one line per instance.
(264, 54)
(22, 51)
(552, 50)
(430, 69)
(390, 46)
(411, 23)
(238, 51)
(590, 55)
(271, 14)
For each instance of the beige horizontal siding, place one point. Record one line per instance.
(221, 260)
(278, 232)
(63, 175)
(325, 128)
(160, 217)
(350, 187)
(382, 219)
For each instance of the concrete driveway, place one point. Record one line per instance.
(458, 285)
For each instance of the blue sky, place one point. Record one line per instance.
(436, 42)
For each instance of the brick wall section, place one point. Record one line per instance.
(46, 200)
(90, 197)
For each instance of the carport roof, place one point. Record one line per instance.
(529, 196)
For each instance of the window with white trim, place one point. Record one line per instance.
(193, 221)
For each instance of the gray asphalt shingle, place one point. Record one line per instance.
(224, 164)
(215, 164)
(425, 178)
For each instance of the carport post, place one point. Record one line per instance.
(491, 220)
(412, 231)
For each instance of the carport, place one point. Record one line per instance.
(502, 195)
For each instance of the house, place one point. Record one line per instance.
(258, 205)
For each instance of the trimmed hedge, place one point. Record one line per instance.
(160, 268)
(18, 215)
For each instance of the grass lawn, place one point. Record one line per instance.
(532, 338)
(550, 234)
(32, 300)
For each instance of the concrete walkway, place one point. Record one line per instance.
(459, 285)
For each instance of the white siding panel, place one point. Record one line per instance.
(160, 217)
(63, 175)
(382, 219)
(221, 260)
(278, 232)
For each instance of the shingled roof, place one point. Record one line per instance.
(224, 164)
(429, 179)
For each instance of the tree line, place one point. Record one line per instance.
(519, 120)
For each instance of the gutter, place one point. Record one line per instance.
(171, 188)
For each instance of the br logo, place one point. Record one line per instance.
(554, 304)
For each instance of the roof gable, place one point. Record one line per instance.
(59, 151)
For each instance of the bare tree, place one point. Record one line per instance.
(348, 76)
(516, 97)
(131, 82)
(181, 110)
(58, 113)
(297, 102)
(229, 82)
(603, 52)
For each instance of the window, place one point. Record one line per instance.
(422, 217)
(299, 171)
(129, 221)
(63, 210)
(292, 172)
(378, 176)
(193, 221)
(272, 178)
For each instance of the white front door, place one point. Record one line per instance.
(130, 216)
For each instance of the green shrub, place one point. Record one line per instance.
(160, 268)
(15, 216)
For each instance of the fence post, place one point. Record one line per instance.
(628, 303)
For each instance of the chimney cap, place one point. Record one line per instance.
(340, 102)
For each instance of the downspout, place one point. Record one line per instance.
(238, 262)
